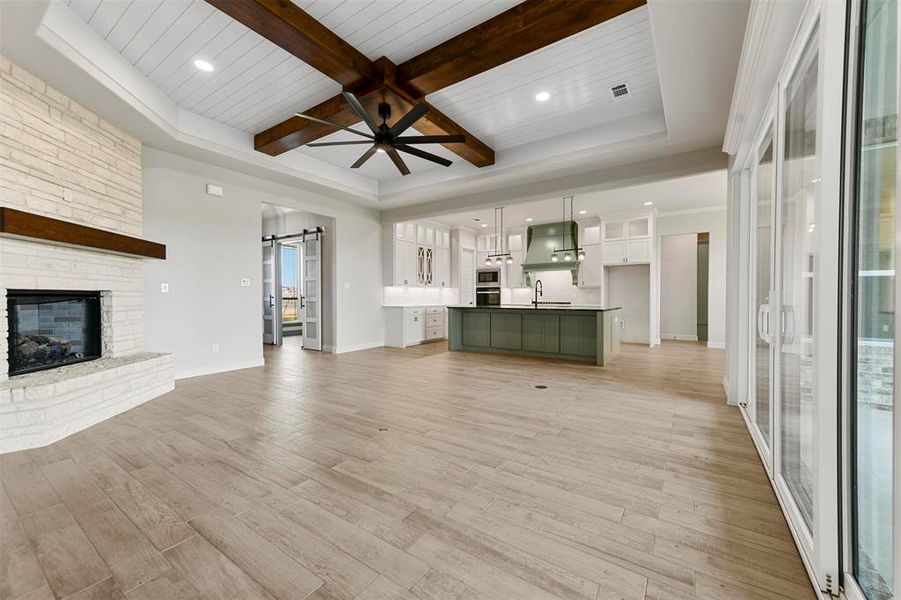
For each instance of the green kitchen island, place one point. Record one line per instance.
(579, 333)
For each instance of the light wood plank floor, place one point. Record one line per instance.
(408, 474)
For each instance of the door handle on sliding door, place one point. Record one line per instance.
(763, 312)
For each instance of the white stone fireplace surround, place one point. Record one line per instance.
(39, 408)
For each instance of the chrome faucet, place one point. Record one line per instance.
(539, 291)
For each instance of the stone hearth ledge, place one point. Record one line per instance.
(37, 409)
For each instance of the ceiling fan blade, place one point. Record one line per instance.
(430, 139)
(361, 111)
(366, 156)
(330, 124)
(423, 154)
(353, 143)
(398, 162)
(408, 119)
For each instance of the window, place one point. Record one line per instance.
(290, 284)
(873, 352)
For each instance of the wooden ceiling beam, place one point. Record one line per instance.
(526, 27)
(287, 25)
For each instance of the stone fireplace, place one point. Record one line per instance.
(67, 163)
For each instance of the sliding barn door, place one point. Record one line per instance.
(312, 292)
(272, 297)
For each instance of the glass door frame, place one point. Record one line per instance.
(848, 329)
(819, 544)
(766, 130)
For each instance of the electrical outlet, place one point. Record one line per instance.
(214, 190)
(215, 347)
(67, 195)
(245, 282)
(164, 288)
(346, 285)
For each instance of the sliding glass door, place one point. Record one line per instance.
(797, 243)
(764, 180)
(873, 423)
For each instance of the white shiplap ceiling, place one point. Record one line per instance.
(257, 84)
(499, 105)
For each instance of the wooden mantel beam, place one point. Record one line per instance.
(526, 27)
(287, 25)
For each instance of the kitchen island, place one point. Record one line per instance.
(578, 333)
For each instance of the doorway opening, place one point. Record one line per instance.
(684, 286)
(295, 265)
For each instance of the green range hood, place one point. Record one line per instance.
(542, 241)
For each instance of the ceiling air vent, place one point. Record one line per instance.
(619, 91)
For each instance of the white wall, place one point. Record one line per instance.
(215, 241)
(679, 287)
(630, 288)
(714, 222)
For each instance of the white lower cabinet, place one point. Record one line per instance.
(411, 325)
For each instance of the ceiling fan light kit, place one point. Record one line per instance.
(388, 140)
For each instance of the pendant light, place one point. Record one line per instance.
(499, 257)
(576, 252)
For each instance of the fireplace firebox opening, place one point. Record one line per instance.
(49, 329)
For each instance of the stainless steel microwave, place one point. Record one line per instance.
(488, 277)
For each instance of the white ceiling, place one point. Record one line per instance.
(131, 61)
(672, 195)
(400, 29)
(162, 40)
(499, 105)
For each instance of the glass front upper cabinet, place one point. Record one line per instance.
(873, 347)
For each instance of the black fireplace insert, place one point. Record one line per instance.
(49, 329)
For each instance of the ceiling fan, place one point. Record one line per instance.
(389, 139)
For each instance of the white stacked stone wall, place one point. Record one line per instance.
(60, 160)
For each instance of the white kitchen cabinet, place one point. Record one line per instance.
(614, 253)
(627, 252)
(405, 263)
(405, 231)
(441, 275)
(442, 238)
(414, 330)
(638, 251)
(614, 230)
(639, 227)
(591, 236)
(590, 268)
(411, 325)
(516, 242)
(425, 234)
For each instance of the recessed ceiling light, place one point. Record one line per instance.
(648, 203)
(583, 212)
(203, 65)
(529, 219)
(484, 224)
(543, 96)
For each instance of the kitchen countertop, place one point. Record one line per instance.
(543, 307)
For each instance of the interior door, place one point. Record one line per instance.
(312, 289)
(272, 309)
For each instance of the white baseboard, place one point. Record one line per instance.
(356, 347)
(726, 388)
(326, 348)
(679, 336)
(717, 345)
(221, 368)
